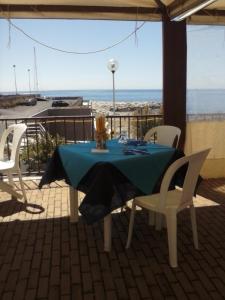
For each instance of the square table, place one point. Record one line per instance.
(108, 179)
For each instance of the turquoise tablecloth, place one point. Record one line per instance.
(142, 170)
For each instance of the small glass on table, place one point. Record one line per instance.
(123, 138)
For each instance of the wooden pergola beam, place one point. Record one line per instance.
(38, 11)
(130, 12)
(174, 74)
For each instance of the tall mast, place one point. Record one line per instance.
(36, 88)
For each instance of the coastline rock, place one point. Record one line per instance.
(151, 107)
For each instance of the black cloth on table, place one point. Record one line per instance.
(105, 187)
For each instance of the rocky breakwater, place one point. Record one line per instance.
(127, 108)
(9, 101)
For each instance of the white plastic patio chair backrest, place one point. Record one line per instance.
(166, 135)
(17, 131)
(195, 162)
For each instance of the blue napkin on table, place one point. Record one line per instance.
(135, 151)
(136, 143)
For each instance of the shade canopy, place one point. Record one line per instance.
(145, 10)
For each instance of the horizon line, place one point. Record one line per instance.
(108, 89)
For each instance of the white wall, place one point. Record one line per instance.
(208, 134)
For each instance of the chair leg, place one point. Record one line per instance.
(171, 221)
(163, 221)
(73, 198)
(123, 208)
(22, 185)
(151, 218)
(131, 224)
(107, 232)
(10, 178)
(158, 221)
(194, 226)
(11, 182)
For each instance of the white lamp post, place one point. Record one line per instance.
(14, 67)
(28, 70)
(113, 66)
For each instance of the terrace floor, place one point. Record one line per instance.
(43, 256)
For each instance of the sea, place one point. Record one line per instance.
(199, 101)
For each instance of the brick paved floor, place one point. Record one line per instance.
(43, 256)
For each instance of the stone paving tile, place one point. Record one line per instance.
(44, 256)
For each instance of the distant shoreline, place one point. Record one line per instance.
(199, 101)
(74, 91)
(104, 107)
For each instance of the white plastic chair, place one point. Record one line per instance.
(165, 135)
(170, 203)
(11, 165)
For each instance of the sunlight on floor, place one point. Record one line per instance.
(53, 203)
(200, 201)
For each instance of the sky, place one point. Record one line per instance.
(140, 57)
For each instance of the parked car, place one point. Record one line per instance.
(31, 102)
(59, 103)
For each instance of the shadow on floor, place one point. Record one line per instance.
(10, 207)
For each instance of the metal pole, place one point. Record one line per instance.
(29, 80)
(14, 67)
(35, 72)
(114, 106)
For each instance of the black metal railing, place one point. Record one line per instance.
(43, 134)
